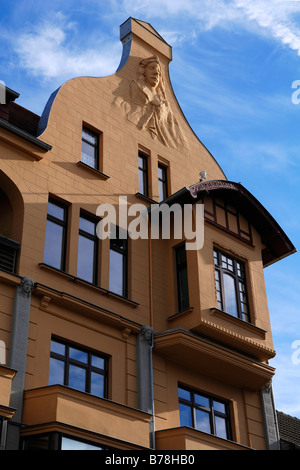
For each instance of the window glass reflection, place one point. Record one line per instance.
(78, 355)
(77, 378)
(72, 444)
(202, 421)
(77, 368)
(116, 272)
(185, 413)
(53, 245)
(203, 413)
(221, 430)
(86, 259)
(230, 294)
(97, 384)
(56, 372)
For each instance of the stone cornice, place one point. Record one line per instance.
(208, 357)
(49, 295)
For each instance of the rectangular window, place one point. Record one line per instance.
(56, 230)
(87, 266)
(58, 441)
(78, 368)
(143, 174)
(231, 286)
(182, 278)
(90, 148)
(118, 263)
(204, 413)
(162, 182)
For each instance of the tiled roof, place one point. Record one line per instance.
(289, 428)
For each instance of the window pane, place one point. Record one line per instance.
(162, 183)
(141, 163)
(182, 278)
(56, 372)
(220, 424)
(143, 175)
(230, 295)
(72, 444)
(161, 191)
(90, 136)
(58, 348)
(87, 225)
(185, 413)
(98, 362)
(202, 421)
(56, 211)
(142, 188)
(220, 407)
(86, 259)
(200, 400)
(78, 355)
(88, 155)
(116, 272)
(185, 394)
(77, 378)
(97, 384)
(54, 245)
(184, 293)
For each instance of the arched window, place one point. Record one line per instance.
(11, 223)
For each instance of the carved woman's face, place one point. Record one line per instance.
(152, 74)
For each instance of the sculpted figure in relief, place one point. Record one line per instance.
(149, 107)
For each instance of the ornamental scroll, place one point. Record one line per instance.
(148, 107)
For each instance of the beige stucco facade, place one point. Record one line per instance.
(200, 347)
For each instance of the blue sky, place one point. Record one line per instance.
(234, 63)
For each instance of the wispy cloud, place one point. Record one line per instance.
(272, 18)
(276, 18)
(51, 48)
(50, 51)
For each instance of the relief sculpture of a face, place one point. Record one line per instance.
(148, 106)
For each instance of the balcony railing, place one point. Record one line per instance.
(8, 254)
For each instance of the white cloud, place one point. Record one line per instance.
(276, 18)
(271, 18)
(53, 50)
(50, 51)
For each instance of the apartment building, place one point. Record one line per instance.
(123, 341)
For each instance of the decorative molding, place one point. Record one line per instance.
(147, 107)
(243, 325)
(126, 333)
(236, 340)
(84, 307)
(25, 287)
(208, 357)
(146, 335)
(45, 300)
(206, 186)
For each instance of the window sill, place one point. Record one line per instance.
(121, 298)
(99, 173)
(237, 321)
(88, 284)
(146, 198)
(180, 314)
(85, 283)
(48, 267)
